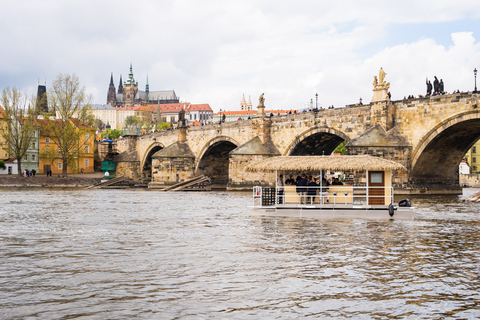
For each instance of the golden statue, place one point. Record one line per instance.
(381, 76)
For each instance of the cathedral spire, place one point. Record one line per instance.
(130, 79)
(120, 85)
(111, 79)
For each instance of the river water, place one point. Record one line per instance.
(140, 254)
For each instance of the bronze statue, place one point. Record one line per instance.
(181, 118)
(429, 87)
(436, 85)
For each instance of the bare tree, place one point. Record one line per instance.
(20, 129)
(70, 104)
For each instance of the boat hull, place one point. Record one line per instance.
(352, 212)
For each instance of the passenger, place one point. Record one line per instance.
(312, 190)
(301, 190)
(290, 181)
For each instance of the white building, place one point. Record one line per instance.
(464, 168)
(106, 113)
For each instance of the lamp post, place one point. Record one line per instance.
(316, 100)
(361, 103)
(475, 74)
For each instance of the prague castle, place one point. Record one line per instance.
(128, 94)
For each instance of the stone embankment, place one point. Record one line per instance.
(44, 181)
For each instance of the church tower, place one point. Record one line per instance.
(130, 89)
(111, 98)
(249, 104)
(243, 104)
(42, 105)
(147, 87)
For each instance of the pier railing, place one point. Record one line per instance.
(320, 196)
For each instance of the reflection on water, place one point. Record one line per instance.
(123, 254)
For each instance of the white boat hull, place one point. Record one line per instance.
(334, 212)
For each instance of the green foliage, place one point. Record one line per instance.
(133, 120)
(2, 165)
(162, 126)
(112, 134)
(340, 148)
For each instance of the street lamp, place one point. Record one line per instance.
(361, 101)
(475, 74)
(316, 100)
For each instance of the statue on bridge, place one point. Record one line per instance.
(380, 87)
(429, 87)
(436, 85)
(261, 101)
(181, 118)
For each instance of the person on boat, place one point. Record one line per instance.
(290, 181)
(312, 190)
(301, 190)
(336, 182)
(280, 189)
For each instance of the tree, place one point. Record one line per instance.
(133, 120)
(69, 102)
(112, 133)
(2, 165)
(162, 126)
(98, 123)
(340, 148)
(20, 128)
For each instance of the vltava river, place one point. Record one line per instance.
(139, 254)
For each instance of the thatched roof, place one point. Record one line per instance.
(317, 163)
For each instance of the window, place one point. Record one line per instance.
(33, 145)
(47, 150)
(474, 159)
(474, 149)
(47, 140)
(86, 136)
(60, 165)
(86, 149)
(86, 163)
(33, 157)
(59, 151)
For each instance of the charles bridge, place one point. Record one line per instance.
(428, 135)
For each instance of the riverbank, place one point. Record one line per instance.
(71, 181)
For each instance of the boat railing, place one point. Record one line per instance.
(323, 196)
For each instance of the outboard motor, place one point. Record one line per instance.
(391, 209)
(404, 203)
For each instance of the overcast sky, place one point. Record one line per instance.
(215, 51)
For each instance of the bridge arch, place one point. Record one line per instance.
(213, 159)
(316, 141)
(146, 161)
(440, 151)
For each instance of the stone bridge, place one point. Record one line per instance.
(429, 136)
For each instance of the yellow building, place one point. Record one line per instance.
(3, 143)
(473, 157)
(51, 157)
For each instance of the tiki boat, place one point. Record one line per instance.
(369, 196)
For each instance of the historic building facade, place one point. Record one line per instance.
(129, 95)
